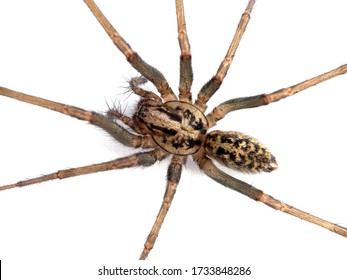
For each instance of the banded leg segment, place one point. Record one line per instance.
(140, 159)
(230, 182)
(213, 85)
(226, 107)
(186, 71)
(173, 177)
(151, 73)
(119, 133)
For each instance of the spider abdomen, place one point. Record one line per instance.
(177, 127)
(239, 151)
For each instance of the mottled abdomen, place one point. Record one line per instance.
(239, 151)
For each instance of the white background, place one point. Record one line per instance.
(68, 229)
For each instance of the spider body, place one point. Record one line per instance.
(180, 128)
(177, 127)
(167, 126)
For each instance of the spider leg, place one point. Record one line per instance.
(173, 177)
(216, 174)
(226, 107)
(119, 133)
(186, 71)
(213, 85)
(139, 159)
(151, 73)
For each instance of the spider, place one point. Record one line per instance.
(197, 154)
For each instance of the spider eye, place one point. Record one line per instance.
(239, 151)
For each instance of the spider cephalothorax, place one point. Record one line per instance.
(166, 125)
(177, 127)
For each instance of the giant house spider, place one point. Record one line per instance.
(105, 216)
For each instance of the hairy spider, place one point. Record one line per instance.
(76, 202)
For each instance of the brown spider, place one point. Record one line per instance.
(195, 154)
